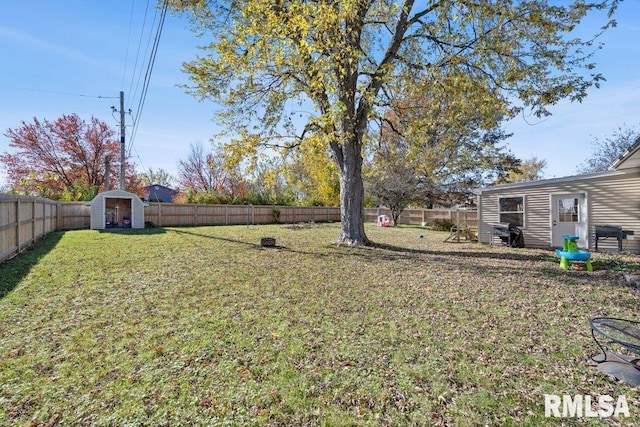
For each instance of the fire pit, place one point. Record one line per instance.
(268, 242)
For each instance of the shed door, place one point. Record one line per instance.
(569, 217)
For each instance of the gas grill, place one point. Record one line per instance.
(606, 231)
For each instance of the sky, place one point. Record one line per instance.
(75, 56)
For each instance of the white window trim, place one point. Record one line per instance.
(523, 212)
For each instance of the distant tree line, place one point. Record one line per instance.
(439, 165)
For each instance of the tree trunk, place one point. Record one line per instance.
(395, 214)
(351, 196)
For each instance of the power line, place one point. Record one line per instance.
(147, 76)
(132, 93)
(126, 56)
(68, 93)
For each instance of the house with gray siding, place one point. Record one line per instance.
(548, 209)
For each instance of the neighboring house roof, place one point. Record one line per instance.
(160, 193)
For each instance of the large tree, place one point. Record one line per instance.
(392, 181)
(450, 144)
(201, 170)
(313, 174)
(63, 159)
(268, 183)
(156, 176)
(527, 170)
(338, 58)
(204, 172)
(435, 170)
(607, 151)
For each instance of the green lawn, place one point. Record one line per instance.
(202, 326)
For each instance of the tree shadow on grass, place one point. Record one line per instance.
(476, 257)
(248, 245)
(514, 255)
(381, 252)
(224, 239)
(479, 259)
(13, 270)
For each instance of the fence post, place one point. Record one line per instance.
(58, 216)
(33, 221)
(18, 222)
(51, 217)
(44, 218)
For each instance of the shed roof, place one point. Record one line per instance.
(116, 194)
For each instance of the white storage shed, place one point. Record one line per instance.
(116, 209)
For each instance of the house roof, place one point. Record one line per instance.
(160, 193)
(542, 182)
(153, 186)
(630, 159)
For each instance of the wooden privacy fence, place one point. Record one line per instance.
(469, 217)
(23, 219)
(171, 214)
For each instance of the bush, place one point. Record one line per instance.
(442, 224)
(276, 215)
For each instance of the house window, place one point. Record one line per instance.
(512, 210)
(568, 209)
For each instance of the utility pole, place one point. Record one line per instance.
(122, 146)
(106, 172)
